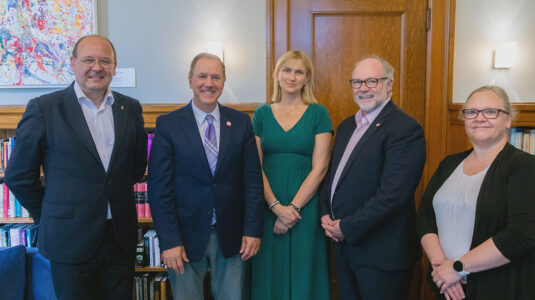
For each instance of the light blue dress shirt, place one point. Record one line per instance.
(100, 123)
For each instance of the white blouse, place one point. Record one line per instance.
(455, 210)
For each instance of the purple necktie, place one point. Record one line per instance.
(210, 143)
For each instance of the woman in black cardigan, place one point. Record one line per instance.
(476, 219)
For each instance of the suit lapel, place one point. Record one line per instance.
(375, 126)
(120, 113)
(72, 112)
(194, 140)
(225, 130)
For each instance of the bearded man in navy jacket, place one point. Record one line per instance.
(368, 195)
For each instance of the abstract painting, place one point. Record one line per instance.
(37, 37)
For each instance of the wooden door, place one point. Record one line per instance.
(336, 33)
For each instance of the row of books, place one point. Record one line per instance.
(9, 205)
(152, 286)
(18, 234)
(142, 200)
(148, 250)
(5, 151)
(523, 139)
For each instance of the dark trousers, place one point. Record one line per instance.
(357, 282)
(108, 274)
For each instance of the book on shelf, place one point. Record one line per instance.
(140, 257)
(152, 286)
(142, 200)
(9, 205)
(148, 250)
(523, 139)
(150, 137)
(18, 234)
(5, 151)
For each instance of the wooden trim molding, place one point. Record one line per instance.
(11, 115)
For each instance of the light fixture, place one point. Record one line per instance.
(215, 48)
(505, 55)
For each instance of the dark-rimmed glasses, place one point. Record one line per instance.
(370, 82)
(488, 113)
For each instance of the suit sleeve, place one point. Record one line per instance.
(23, 169)
(517, 238)
(162, 197)
(404, 159)
(141, 146)
(252, 186)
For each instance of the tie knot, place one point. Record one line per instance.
(209, 118)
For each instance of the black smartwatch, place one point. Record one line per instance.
(458, 266)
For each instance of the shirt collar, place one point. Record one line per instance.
(369, 117)
(80, 95)
(200, 115)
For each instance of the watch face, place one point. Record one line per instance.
(458, 266)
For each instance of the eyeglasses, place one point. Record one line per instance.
(488, 113)
(370, 82)
(89, 62)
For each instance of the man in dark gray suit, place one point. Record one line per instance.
(92, 147)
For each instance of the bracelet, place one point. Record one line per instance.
(295, 207)
(273, 204)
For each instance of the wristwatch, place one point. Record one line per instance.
(458, 266)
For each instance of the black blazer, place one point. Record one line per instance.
(375, 194)
(505, 212)
(183, 192)
(72, 206)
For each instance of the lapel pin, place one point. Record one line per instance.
(378, 124)
(122, 107)
(228, 123)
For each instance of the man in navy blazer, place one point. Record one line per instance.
(368, 195)
(205, 188)
(92, 147)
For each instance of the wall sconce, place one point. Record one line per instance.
(215, 48)
(505, 55)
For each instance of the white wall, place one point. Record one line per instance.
(481, 25)
(159, 39)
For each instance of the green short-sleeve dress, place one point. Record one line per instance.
(293, 265)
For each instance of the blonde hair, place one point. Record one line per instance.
(307, 92)
(500, 92)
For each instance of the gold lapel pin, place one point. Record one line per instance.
(122, 107)
(378, 124)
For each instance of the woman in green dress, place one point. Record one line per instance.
(293, 136)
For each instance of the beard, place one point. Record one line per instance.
(368, 101)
